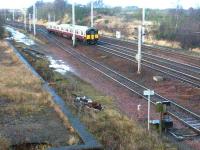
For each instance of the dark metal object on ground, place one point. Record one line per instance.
(85, 101)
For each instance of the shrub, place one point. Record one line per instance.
(1, 27)
(106, 21)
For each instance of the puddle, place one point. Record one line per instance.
(58, 65)
(20, 37)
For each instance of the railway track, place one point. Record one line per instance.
(153, 48)
(183, 72)
(186, 116)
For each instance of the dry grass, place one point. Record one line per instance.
(17, 83)
(26, 108)
(113, 129)
(4, 143)
(164, 43)
(195, 50)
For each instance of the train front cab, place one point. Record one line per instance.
(92, 36)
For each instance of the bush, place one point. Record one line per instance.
(1, 27)
(106, 21)
(184, 29)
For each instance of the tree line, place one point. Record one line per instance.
(59, 8)
(182, 26)
(2, 21)
(170, 24)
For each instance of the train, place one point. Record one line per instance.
(82, 33)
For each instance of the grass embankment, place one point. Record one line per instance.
(111, 128)
(27, 112)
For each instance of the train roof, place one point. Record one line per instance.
(69, 26)
(76, 26)
(52, 23)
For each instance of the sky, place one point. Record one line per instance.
(12, 4)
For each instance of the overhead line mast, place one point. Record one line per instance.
(143, 25)
(73, 22)
(30, 20)
(25, 19)
(13, 15)
(92, 14)
(34, 21)
(138, 56)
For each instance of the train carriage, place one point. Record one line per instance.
(82, 33)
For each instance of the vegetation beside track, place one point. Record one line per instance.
(29, 119)
(111, 128)
(1, 27)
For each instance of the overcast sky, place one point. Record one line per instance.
(140, 3)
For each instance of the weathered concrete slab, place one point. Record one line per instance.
(158, 78)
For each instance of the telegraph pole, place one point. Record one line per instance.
(34, 29)
(49, 17)
(92, 14)
(5, 14)
(73, 22)
(29, 16)
(36, 14)
(138, 56)
(177, 12)
(13, 15)
(25, 19)
(143, 25)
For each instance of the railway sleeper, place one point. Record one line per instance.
(188, 119)
(193, 121)
(195, 124)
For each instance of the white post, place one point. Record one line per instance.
(49, 17)
(143, 25)
(13, 15)
(54, 18)
(177, 7)
(73, 22)
(25, 19)
(34, 29)
(148, 93)
(29, 16)
(149, 110)
(36, 14)
(139, 50)
(92, 14)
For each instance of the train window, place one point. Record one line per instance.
(81, 32)
(61, 28)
